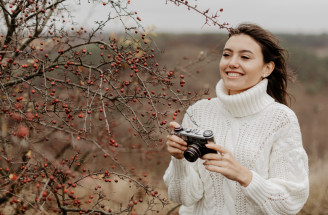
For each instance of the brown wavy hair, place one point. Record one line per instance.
(271, 50)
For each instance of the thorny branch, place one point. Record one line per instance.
(70, 94)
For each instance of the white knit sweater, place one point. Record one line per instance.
(263, 136)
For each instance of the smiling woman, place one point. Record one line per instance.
(266, 51)
(242, 65)
(260, 166)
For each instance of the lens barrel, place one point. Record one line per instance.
(193, 152)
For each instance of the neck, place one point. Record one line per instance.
(245, 103)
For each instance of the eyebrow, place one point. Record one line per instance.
(241, 51)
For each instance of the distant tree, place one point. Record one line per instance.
(72, 100)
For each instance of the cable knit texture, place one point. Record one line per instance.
(263, 136)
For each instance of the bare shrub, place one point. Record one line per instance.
(76, 106)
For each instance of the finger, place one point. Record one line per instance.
(214, 168)
(210, 142)
(174, 151)
(174, 125)
(213, 163)
(177, 139)
(212, 156)
(176, 145)
(218, 148)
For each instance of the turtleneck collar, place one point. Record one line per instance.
(247, 102)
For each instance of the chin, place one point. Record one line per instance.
(232, 84)
(238, 85)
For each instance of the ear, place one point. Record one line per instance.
(268, 69)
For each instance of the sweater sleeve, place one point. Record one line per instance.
(184, 184)
(182, 177)
(287, 187)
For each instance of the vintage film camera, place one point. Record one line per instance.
(196, 140)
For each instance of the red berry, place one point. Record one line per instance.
(22, 131)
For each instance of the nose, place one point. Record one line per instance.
(233, 63)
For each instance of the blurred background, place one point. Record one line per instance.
(293, 16)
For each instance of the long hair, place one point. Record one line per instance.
(277, 80)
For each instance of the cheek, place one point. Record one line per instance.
(260, 70)
(255, 69)
(222, 65)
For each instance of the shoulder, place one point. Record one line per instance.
(282, 110)
(282, 114)
(202, 110)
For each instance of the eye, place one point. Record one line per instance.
(245, 57)
(225, 55)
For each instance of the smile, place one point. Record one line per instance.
(234, 74)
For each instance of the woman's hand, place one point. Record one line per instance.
(225, 163)
(175, 145)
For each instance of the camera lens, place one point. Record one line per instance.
(192, 153)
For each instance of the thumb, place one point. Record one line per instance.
(174, 125)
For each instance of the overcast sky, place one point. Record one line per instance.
(279, 16)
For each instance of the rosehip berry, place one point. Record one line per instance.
(22, 131)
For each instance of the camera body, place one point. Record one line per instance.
(196, 140)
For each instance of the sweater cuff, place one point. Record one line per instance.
(256, 190)
(179, 167)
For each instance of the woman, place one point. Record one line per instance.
(260, 166)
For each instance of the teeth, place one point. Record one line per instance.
(233, 74)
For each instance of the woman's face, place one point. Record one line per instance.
(242, 65)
